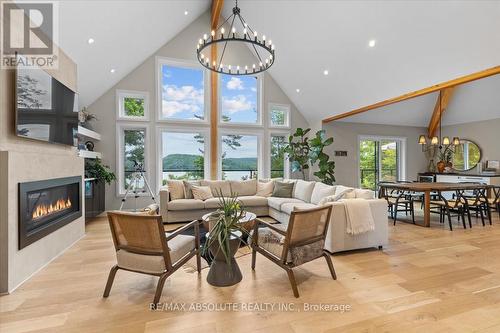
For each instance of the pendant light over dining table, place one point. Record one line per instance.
(238, 33)
(441, 141)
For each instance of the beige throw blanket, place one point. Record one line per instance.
(359, 216)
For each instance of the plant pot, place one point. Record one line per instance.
(221, 274)
(440, 166)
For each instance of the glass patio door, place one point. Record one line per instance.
(379, 161)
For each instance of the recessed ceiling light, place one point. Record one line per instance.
(112, 70)
(325, 72)
(297, 90)
(91, 41)
(186, 12)
(372, 43)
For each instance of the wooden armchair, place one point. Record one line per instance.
(289, 246)
(143, 246)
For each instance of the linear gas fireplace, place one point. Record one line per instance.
(47, 205)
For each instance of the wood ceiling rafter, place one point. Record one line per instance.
(441, 86)
(438, 111)
(214, 108)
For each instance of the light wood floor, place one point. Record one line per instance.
(425, 280)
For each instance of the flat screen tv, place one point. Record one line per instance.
(46, 109)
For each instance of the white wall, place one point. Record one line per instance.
(346, 135)
(143, 78)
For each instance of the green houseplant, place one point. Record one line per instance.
(95, 169)
(225, 237)
(298, 151)
(304, 152)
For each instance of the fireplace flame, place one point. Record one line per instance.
(44, 210)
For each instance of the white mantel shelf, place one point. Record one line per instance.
(88, 133)
(89, 154)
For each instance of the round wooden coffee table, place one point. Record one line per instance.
(247, 220)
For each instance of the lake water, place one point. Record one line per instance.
(229, 175)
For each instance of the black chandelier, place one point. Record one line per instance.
(246, 35)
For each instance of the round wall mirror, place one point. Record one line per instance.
(466, 155)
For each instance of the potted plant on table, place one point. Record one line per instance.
(223, 241)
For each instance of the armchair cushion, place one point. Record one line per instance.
(179, 246)
(140, 262)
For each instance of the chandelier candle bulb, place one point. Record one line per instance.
(212, 33)
(205, 37)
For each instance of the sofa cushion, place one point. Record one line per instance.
(217, 186)
(364, 194)
(321, 191)
(188, 188)
(212, 203)
(276, 203)
(176, 189)
(303, 190)
(253, 201)
(283, 189)
(265, 188)
(243, 187)
(185, 204)
(201, 192)
(290, 206)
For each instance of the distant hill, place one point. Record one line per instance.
(185, 162)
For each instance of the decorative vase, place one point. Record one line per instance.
(221, 274)
(440, 166)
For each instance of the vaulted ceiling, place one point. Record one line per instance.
(418, 44)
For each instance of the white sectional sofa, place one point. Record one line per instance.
(306, 194)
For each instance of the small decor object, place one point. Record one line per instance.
(85, 117)
(445, 157)
(239, 34)
(223, 241)
(95, 169)
(89, 145)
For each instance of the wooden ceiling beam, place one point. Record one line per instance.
(424, 91)
(214, 108)
(438, 111)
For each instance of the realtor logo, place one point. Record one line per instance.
(28, 34)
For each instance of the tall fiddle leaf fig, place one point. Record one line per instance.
(298, 151)
(316, 154)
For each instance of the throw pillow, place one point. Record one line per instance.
(283, 190)
(303, 190)
(265, 189)
(201, 192)
(188, 190)
(364, 194)
(321, 191)
(176, 189)
(243, 187)
(335, 197)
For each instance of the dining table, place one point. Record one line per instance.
(427, 188)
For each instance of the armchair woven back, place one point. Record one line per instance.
(308, 226)
(137, 233)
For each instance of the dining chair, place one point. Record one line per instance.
(494, 199)
(479, 202)
(399, 201)
(299, 242)
(143, 246)
(456, 204)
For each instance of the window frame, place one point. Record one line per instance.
(159, 62)
(177, 129)
(286, 165)
(259, 123)
(120, 110)
(288, 115)
(402, 154)
(243, 132)
(120, 145)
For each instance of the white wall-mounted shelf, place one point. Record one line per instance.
(88, 133)
(89, 154)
